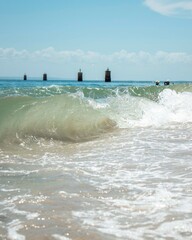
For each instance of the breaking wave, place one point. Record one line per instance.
(78, 114)
(60, 117)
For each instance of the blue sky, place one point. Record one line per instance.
(136, 39)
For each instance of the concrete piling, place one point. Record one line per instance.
(25, 77)
(80, 76)
(45, 77)
(107, 75)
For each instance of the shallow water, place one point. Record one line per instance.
(131, 181)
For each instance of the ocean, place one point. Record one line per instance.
(95, 161)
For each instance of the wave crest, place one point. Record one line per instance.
(60, 117)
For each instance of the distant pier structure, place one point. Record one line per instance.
(45, 77)
(80, 76)
(25, 77)
(107, 75)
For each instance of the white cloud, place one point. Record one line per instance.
(181, 8)
(173, 57)
(12, 53)
(124, 64)
(51, 54)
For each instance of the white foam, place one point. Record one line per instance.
(172, 107)
(60, 237)
(13, 228)
(10, 190)
(97, 104)
(179, 104)
(175, 228)
(107, 223)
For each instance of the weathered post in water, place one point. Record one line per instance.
(45, 77)
(25, 77)
(80, 76)
(107, 75)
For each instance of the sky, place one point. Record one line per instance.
(135, 39)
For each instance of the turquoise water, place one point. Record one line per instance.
(32, 84)
(95, 160)
(40, 83)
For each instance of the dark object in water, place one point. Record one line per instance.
(45, 77)
(25, 77)
(107, 75)
(157, 83)
(166, 83)
(80, 76)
